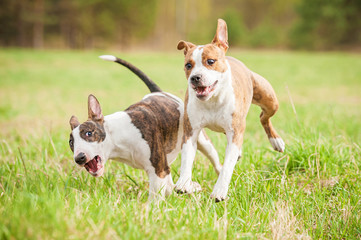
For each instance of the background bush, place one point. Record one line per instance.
(160, 24)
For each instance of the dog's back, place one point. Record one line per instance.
(159, 119)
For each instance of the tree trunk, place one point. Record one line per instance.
(20, 25)
(38, 28)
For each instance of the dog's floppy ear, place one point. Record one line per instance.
(94, 110)
(221, 37)
(74, 122)
(186, 45)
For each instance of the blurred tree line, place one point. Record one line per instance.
(305, 24)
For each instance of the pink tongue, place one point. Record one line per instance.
(201, 90)
(93, 165)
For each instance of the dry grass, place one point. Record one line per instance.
(285, 225)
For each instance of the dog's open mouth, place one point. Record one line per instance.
(202, 91)
(95, 166)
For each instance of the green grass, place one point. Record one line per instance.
(312, 191)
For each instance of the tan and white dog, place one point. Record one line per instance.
(220, 92)
(147, 135)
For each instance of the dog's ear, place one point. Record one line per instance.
(186, 45)
(221, 37)
(94, 110)
(74, 122)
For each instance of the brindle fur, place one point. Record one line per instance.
(96, 128)
(157, 118)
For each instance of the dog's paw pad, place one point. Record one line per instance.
(278, 144)
(217, 200)
(179, 191)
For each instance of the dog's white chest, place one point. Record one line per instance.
(215, 114)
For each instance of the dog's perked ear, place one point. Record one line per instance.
(186, 45)
(221, 37)
(74, 122)
(94, 110)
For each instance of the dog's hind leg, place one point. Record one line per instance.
(265, 97)
(206, 147)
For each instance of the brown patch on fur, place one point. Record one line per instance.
(71, 142)
(97, 131)
(187, 128)
(188, 71)
(256, 96)
(243, 91)
(185, 45)
(262, 94)
(157, 118)
(268, 102)
(210, 51)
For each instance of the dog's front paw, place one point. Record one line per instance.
(278, 144)
(187, 187)
(219, 193)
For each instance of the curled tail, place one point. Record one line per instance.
(150, 84)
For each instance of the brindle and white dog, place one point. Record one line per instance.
(220, 92)
(147, 135)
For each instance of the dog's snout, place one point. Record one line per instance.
(80, 158)
(196, 78)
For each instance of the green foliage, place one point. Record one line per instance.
(312, 191)
(237, 31)
(327, 24)
(265, 35)
(300, 24)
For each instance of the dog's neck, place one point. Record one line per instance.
(122, 139)
(114, 145)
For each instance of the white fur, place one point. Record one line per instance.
(124, 143)
(210, 151)
(159, 187)
(209, 76)
(110, 58)
(91, 149)
(277, 144)
(214, 113)
(220, 190)
(154, 94)
(185, 183)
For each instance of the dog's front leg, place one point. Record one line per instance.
(159, 187)
(207, 148)
(233, 152)
(185, 183)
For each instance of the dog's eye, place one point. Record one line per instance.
(88, 134)
(70, 143)
(211, 61)
(188, 66)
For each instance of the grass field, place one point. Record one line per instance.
(312, 191)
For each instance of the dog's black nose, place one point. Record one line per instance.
(195, 78)
(80, 158)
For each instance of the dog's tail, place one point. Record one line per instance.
(150, 84)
